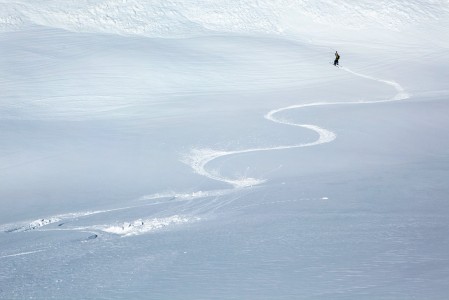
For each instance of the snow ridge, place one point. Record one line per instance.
(170, 18)
(199, 158)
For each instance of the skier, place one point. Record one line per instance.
(337, 57)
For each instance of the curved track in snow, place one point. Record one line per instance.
(199, 158)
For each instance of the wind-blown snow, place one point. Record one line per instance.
(179, 18)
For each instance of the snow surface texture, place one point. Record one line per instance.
(178, 18)
(210, 150)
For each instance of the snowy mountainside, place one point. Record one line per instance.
(210, 149)
(169, 18)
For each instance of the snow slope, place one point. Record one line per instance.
(210, 150)
(157, 18)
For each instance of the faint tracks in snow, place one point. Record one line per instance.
(21, 253)
(199, 158)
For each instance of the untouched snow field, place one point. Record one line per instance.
(170, 150)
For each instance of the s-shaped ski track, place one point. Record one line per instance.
(199, 158)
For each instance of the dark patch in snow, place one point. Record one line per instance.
(92, 237)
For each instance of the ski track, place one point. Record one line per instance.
(199, 158)
(140, 226)
(147, 224)
(21, 253)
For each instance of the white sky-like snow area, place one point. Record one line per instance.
(211, 150)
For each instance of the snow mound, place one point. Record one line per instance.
(42, 222)
(32, 225)
(140, 226)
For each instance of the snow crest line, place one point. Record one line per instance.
(199, 158)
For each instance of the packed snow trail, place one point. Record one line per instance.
(129, 228)
(199, 158)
